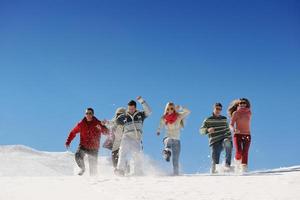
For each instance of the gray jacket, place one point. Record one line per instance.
(133, 123)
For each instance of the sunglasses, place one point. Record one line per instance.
(89, 113)
(170, 109)
(219, 109)
(243, 102)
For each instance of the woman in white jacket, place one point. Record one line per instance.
(173, 122)
(117, 133)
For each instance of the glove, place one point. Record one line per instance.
(140, 99)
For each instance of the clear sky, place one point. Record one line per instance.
(59, 57)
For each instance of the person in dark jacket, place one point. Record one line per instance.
(131, 143)
(90, 129)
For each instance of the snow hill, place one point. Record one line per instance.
(19, 160)
(28, 174)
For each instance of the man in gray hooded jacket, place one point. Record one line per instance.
(132, 122)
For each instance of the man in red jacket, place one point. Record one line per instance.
(90, 129)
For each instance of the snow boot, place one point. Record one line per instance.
(167, 154)
(226, 168)
(238, 165)
(213, 169)
(81, 172)
(119, 172)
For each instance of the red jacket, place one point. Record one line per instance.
(89, 133)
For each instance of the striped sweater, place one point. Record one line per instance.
(221, 127)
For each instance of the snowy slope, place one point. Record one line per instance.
(28, 174)
(19, 160)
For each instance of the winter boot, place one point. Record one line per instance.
(167, 154)
(227, 168)
(238, 165)
(213, 169)
(119, 172)
(81, 172)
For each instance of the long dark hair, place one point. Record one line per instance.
(235, 104)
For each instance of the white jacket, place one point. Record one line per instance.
(173, 130)
(117, 130)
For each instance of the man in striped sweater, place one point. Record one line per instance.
(219, 135)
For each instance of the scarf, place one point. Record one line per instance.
(171, 118)
(244, 110)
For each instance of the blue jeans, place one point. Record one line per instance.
(218, 147)
(174, 146)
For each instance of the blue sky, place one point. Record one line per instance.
(59, 57)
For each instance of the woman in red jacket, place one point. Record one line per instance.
(90, 129)
(240, 114)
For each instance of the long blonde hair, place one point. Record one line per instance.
(169, 104)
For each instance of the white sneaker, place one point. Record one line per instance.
(213, 169)
(244, 168)
(237, 164)
(226, 168)
(167, 154)
(81, 172)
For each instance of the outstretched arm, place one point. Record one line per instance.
(72, 135)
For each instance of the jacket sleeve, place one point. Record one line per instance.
(73, 133)
(161, 124)
(185, 112)
(147, 110)
(204, 127)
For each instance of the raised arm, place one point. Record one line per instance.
(146, 107)
(184, 112)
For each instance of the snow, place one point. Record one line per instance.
(28, 174)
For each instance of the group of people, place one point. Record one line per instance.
(124, 136)
(220, 134)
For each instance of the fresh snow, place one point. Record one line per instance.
(27, 174)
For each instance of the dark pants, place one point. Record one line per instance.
(242, 145)
(92, 158)
(115, 157)
(218, 147)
